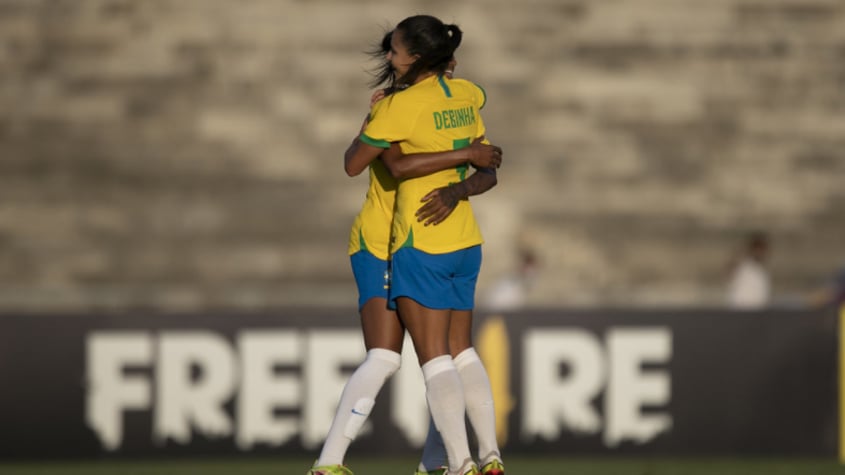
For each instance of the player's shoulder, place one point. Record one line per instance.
(400, 102)
(378, 106)
(470, 88)
(463, 82)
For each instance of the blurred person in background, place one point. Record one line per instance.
(509, 292)
(749, 284)
(369, 240)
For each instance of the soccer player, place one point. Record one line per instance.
(435, 268)
(383, 331)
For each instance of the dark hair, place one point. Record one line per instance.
(384, 73)
(425, 36)
(758, 240)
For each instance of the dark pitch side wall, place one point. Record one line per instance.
(739, 383)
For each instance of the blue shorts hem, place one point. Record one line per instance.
(437, 281)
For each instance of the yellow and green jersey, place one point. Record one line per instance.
(435, 115)
(371, 228)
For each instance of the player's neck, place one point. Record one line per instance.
(423, 76)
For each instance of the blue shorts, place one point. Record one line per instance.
(438, 281)
(371, 276)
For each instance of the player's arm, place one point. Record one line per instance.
(359, 154)
(440, 202)
(478, 154)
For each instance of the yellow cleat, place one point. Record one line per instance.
(330, 470)
(493, 467)
(473, 470)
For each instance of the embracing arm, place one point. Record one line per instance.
(478, 154)
(359, 155)
(479, 182)
(439, 203)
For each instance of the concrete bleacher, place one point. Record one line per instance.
(183, 155)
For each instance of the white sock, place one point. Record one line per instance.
(479, 401)
(356, 402)
(434, 452)
(445, 396)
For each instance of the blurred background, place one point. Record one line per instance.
(186, 154)
(174, 163)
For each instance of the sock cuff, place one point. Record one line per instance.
(466, 358)
(391, 357)
(436, 366)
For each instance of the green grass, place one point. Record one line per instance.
(405, 466)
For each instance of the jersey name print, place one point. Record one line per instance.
(452, 118)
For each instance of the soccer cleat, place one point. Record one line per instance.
(330, 470)
(493, 467)
(436, 471)
(472, 470)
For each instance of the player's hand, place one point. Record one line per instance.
(439, 204)
(484, 155)
(377, 96)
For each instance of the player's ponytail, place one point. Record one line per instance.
(455, 36)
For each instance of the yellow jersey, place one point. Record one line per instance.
(371, 228)
(435, 115)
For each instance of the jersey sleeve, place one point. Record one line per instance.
(480, 96)
(390, 121)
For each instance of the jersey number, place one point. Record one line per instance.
(458, 144)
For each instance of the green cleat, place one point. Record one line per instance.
(472, 470)
(330, 470)
(493, 467)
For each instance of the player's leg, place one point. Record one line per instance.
(444, 391)
(477, 391)
(358, 397)
(420, 284)
(433, 459)
(476, 383)
(383, 336)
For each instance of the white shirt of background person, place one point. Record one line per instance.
(749, 287)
